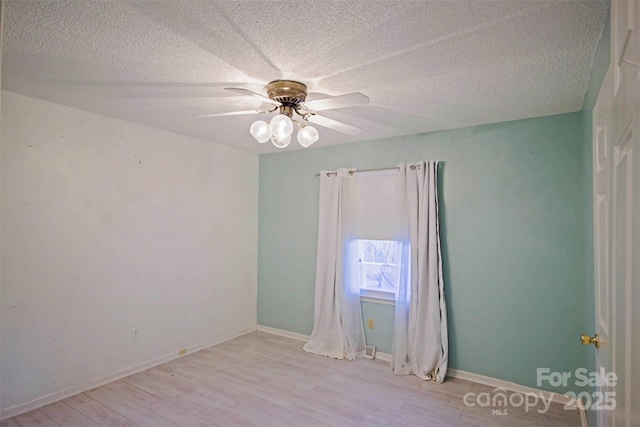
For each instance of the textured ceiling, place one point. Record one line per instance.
(425, 65)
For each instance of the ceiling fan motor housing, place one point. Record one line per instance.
(289, 93)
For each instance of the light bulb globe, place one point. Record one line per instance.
(307, 136)
(281, 142)
(281, 126)
(260, 131)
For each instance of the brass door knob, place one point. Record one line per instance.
(586, 340)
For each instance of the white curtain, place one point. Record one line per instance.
(420, 343)
(337, 326)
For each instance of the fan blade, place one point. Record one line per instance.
(341, 101)
(232, 113)
(334, 124)
(248, 92)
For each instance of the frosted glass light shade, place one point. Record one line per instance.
(281, 126)
(307, 136)
(260, 131)
(281, 142)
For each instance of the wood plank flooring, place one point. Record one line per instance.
(265, 380)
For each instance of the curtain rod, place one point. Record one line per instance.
(351, 172)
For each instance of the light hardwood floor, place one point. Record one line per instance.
(261, 379)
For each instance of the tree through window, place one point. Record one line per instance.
(378, 267)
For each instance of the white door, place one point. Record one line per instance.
(616, 169)
(602, 204)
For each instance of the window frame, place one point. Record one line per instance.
(375, 296)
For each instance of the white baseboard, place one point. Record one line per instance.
(282, 333)
(301, 337)
(509, 386)
(583, 413)
(383, 356)
(456, 373)
(97, 382)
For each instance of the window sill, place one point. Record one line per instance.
(377, 297)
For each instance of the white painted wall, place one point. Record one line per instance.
(108, 226)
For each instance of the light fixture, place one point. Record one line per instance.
(279, 131)
(281, 126)
(290, 97)
(307, 135)
(260, 131)
(281, 142)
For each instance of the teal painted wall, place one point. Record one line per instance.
(513, 234)
(381, 334)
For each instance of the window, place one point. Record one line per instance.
(373, 250)
(378, 268)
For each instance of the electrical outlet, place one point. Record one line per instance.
(134, 334)
(370, 323)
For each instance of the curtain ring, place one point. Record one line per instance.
(412, 167)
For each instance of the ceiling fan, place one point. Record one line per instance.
(289, 96)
